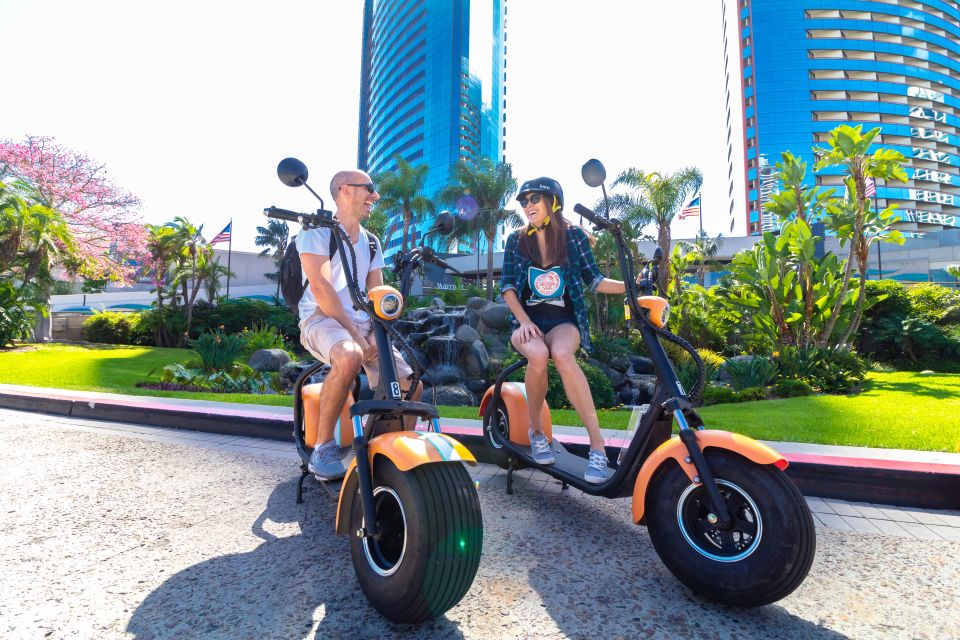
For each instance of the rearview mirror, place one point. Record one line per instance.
(657, 256)
(292, 172)
(593, 172)
(444, 223)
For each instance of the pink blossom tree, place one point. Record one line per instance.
(109, 238)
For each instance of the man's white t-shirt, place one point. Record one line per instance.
(317, 241)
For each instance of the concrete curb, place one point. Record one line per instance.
(894, 482)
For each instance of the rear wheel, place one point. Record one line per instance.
(431, 535)
(762, 557)
(500, 421)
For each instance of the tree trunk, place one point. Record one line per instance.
(828, 330)
(663, 241)
(406, 230)
(863, 251)
(489, 236)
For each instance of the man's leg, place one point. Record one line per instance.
(345, 360)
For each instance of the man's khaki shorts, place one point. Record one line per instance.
(319, 334)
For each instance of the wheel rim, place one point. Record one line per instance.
(501, 424)
(385, 553)
(721, 545)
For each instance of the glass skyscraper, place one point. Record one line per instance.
(432, 89)
(807, 66)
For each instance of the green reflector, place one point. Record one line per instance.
(463, 544)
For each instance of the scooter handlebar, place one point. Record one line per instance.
(596, 219)
(283, 214)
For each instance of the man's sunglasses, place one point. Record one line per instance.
(369, 186)
(534, 198)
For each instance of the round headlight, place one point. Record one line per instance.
(665, 315)
(390, 305)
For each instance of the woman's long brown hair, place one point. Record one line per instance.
(556, 234)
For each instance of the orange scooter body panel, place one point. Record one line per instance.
(343, 431)
(675, 449)
(406, 450)
(514, 396)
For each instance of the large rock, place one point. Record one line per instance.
(477, 386)
(496, 316)
(614, 376)
(292, 370)
(467, 334)
(268, 359)
(471, 317)
(642, 365)
(620, 363)
(477, 304)
(451, 395)
(442, 374)
(437, 303)
(475, 360)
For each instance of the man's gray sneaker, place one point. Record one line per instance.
(325, 462)
(540, 448)
(596, 472)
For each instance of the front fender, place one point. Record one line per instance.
(406, 450)
(674, 448)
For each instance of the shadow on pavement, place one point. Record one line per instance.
(598, 574)
(276, 590)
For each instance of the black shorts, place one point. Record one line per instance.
(545, 324)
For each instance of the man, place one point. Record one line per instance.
(330, 328)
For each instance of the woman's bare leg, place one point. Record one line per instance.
(535, 379)
(563, 342)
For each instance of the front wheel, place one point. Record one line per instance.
(762, 557)
(431, 535)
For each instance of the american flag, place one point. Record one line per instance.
(224, 235)
(692, 210)
(871, 189)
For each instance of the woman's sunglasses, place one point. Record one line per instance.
(534, 198)
(369, 186)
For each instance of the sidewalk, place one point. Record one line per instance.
(891, 476)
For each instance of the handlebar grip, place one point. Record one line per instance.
(596, 219)
(282, 214)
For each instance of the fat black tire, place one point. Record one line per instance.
(745, 570)
(422, 575)
(497, 454)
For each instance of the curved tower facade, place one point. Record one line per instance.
(810, 65)
(432, 89)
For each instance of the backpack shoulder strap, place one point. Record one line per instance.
(371, 241)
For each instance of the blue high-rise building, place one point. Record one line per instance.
(432, 89)
(807, 66)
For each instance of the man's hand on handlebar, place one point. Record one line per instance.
(369, 347)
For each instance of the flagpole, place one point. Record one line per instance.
(879, 241)
(701, 211)
(229, 256)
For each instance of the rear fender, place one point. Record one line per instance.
(514, 397)
(406, 450)
(675, 449)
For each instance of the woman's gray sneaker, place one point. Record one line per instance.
(540, 448)
(325, 462)
(596, 472)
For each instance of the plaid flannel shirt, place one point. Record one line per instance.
(580, 262)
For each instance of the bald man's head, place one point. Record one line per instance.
(346, 177)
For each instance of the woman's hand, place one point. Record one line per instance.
(528, 331)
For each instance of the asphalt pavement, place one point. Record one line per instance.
(124, 531)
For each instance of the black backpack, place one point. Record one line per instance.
(292, 284)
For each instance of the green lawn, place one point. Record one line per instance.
(900, 410)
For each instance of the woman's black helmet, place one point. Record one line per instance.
(543, 185)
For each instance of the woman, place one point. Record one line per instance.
(544, 265)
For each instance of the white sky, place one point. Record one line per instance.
(191, 105)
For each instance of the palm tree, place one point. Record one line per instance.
(848, 147)
(186, 273)
(163, 243)
(703, 250)
(402, 190)
(210, 273)
(274, 236)
(658, 199)
(491, 185)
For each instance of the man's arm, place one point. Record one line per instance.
(374, 278)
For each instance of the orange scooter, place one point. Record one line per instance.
(720, 512)
(407, 502)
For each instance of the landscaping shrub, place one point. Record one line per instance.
(687, 369)
(751, 393)
(240, 379)
(792, 389)
(261, 336)
(16, 321)
(217, 350)
(829, 370)
(714, 394)
(111, 327)
(607, 348)
(934, 303)
(750, 371)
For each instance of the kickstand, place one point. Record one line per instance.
(303, 476)
(563, 485)
(510, 476)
